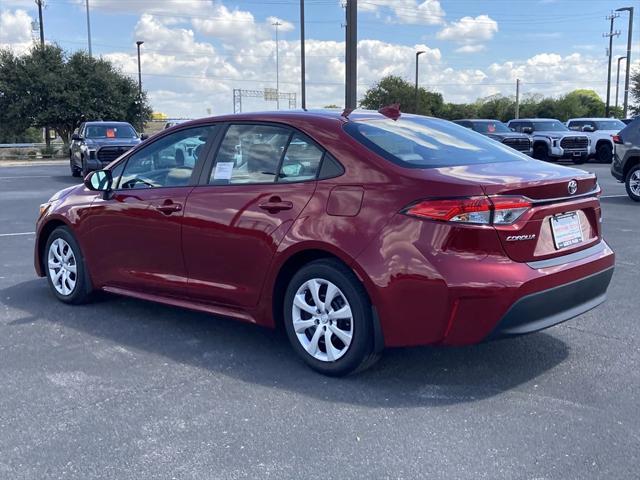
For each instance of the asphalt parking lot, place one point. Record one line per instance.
(126, 389)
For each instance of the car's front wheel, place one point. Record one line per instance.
(604, 153)
(75, 171)
(632, 183)
(328, 318)
(65, 267)
(541, 152)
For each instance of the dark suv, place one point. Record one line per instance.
(96, 144)
(626, 159)
(498, 131)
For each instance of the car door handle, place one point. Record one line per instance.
(275, 205)
(169, 208)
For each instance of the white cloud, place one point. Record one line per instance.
(15, 30)
(470, 48)
(469, 30)
(428, 12)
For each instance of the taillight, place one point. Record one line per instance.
(617, 139)
(474, 210)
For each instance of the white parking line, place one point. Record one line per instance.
(16, 234)
(612, 196)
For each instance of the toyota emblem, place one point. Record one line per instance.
(572, 187)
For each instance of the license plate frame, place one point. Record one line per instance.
(566, 229)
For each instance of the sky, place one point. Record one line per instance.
(196, 52)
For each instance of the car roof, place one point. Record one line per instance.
(592, 119)
(102, 122)
(535, 119)
(477, 120)
(286, 116)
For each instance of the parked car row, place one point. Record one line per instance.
(549, 139)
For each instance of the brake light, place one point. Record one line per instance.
(474, 210)
(617, 139)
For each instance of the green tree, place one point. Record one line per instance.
(392, 89)
(497, 107)
(47, 87)
(634, 88)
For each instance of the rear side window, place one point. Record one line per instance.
(249, 154)
(428, 143)
(301, 160)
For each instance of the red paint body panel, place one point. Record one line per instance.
(430, 282)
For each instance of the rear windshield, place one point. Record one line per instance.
(422, 142)
(107, 130)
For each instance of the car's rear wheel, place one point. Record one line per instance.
(328, 318)
(65, 267)
(604, 153)
(632, 183)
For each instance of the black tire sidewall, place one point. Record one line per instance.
(627, 184)
(604, 153)
(362, 343)
(541, 152)
(81, 291)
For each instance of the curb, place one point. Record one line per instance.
(34, 163)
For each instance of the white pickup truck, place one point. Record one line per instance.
(599, 131)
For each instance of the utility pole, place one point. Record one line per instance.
(618, 80)
(351, 55)
(611, 34)
(47, 140)
(417, 99)
(629, 37)
(517, 98)
(277, 24)
(88, 28)
(303, 82)
(139, 43)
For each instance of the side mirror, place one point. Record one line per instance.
(99, 181)
(76, 137)
(527, 130)
(144, 136)
(588, 128)
(512, 129)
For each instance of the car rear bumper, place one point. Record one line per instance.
(547, 308)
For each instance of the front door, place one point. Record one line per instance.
(134, 234)
(262, 178)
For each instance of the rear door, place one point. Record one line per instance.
(133, 235)
(262, 177)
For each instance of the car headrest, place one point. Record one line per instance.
(261, 157)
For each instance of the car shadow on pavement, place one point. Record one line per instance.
(406, 377)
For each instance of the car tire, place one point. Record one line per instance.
(65, 268)
(346, 323)
(604, 153)
(541, 152)
(632, 183)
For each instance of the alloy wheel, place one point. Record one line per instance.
(634, 183)
(63, 268)
(322, 320)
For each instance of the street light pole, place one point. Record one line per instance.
(47, 140)
(277, 24)
(618, 80)
(416, 102)
(611, 34)
(139, 43)
(303, 82)
(629, 37)
(88, 27)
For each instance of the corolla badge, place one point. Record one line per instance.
(572, 187)
(517, 238)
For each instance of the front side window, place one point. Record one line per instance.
(427, 142)
(609, 125)
(249, 154)
(167, 162)
(107, 130)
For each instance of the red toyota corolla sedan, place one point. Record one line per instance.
(357, 232)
